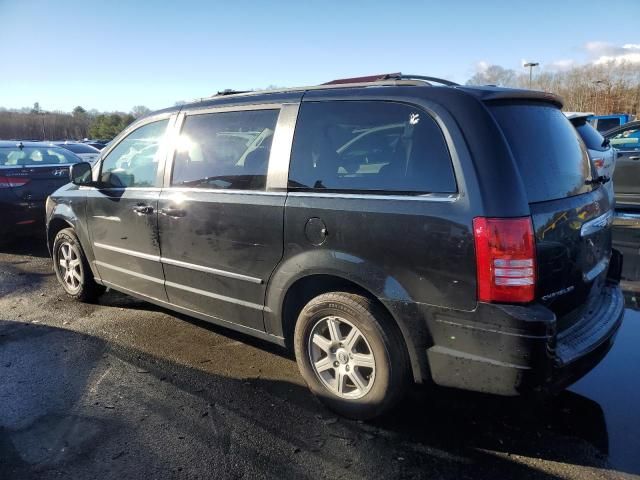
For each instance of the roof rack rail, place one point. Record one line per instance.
(429, 80)
(230, 91)
(387, 79)
(391, 76)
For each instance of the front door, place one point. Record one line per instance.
(123, 213)
(626, 176)
(221, 231)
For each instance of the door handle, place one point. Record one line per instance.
(636, 158)
(143, 209)
(173, 212)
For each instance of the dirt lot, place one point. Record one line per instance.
(122, 389)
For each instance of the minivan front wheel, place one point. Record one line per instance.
(72, 268)
(351, 354)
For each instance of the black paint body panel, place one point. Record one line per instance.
(232, 257)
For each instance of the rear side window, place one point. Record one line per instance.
(228, 150)
(552, 160)
(363, 146)
(34, 156)
(590, 136)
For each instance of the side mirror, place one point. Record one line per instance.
(80, 174)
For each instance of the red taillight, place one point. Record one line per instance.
(598, 162)
(11, 182)
(505, 259)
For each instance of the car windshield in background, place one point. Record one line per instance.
(590, 136)
(628, 139)
(80, 148)
(552, 160)
(34, 156)
(605, 124)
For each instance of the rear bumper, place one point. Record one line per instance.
(580, 348)
(20, 216)
(516, 350)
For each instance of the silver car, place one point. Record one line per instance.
(603, 155)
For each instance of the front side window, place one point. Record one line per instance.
(628, 139)
(134, 161)
(369, 146)
(227, 150)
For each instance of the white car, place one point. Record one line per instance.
(86, 152)
(603, 155)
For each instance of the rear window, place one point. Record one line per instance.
(590, 136)
(552, 160)
(28, 156)
(79, 148)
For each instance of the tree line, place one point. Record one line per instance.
(612, 87)
(605, 88)
(38, 124)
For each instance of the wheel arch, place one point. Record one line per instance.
(53, 228)
(306, 286)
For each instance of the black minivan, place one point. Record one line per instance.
(387, 230)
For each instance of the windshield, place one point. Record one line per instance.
(553, 162)
(15, 156)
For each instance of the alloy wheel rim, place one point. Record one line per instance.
(341, 357)
(69, 266)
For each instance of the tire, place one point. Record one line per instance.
(336, 362)
(75, 277)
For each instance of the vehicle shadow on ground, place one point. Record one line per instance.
(14, 279)
(31, 246)
(50, 424)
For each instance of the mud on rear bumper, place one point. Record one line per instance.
(510, 350)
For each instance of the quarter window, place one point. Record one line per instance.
(227, 150)
(134, 161)
(368, 146)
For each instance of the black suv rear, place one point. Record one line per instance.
(387, 231)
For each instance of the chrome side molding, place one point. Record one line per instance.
(179, 263)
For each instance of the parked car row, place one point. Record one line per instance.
(388, 230)
(85, 151)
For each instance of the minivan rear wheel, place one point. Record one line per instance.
(351, 354)
(72, 268)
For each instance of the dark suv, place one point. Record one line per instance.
(388, 231)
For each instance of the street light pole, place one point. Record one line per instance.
(531, 65)
(597, 83)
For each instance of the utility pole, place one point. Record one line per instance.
(597, 83)
(531, 65)
(44, 133)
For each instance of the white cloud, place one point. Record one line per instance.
(562, 64)
(482, 66)
(603, 52)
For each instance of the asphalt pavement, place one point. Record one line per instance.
(122, 389)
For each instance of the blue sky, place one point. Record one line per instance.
(112, 55)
